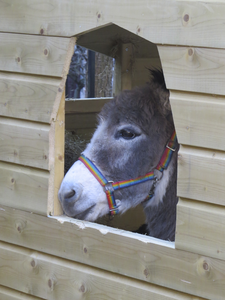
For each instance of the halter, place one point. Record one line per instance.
(110, 186)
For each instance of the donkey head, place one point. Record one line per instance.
(131, 136)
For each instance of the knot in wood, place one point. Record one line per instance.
(186, 18)
(82, 288)
(51, 284)
(42, 31)
(33, 263)
(205, 266)
(146, 272)
(190, 52)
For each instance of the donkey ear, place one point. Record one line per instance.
(160, 88)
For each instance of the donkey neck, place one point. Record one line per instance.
(160, 211)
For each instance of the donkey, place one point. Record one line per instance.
(134, 135)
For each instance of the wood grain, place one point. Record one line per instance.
(27, 97)
(54, 278)
(9, 294)
(31, 54)
(193, 69)
(199, 119)
(24, 142)
(201, 228)
(201, 175)
(85, 105)
(193, 23)
(133, 255)
(56, 164)
(23, 188)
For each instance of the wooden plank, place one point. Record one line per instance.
(56, 153)
(193, 23)
(127, 60)
(27, 97)
(24, 142)
(199, 119)
(201, 175)
(31, 54)
(23, 188)
(194, 69)
(54, 278)
(201, 228)
(81, 121)
(9, 294)
(85, 105)
(133, 255)
(108, 40)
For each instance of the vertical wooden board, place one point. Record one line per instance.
(32, 54)
(127, 61)
(193, 69)
(9, 294)
(201, 228)
(23, 188)
(56, 152)
(27, 97)
(199, 119)
(54, 278)
(24, 142)
(201, 175)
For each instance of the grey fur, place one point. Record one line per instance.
(147, 112)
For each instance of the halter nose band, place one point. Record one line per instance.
(110, 187)
(104, 182)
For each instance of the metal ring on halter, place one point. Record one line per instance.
(108, 186)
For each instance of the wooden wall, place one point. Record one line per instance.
(60, 258)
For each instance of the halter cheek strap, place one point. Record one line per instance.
(110, 187)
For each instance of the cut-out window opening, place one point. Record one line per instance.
(132, 139)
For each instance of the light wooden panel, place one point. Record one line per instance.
(9, 294)
(201, 175)
(194, 69)
(85, 105)
(27, 97)
(23, 188)
(199, 119)
(32, 54)
(54, 278)
(132, 255)
(56, 154)
(201, 228)
(24, 142)
(164, 22)
(81, 121)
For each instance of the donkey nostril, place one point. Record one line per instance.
(70, 194)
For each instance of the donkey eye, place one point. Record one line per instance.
(127, 134)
